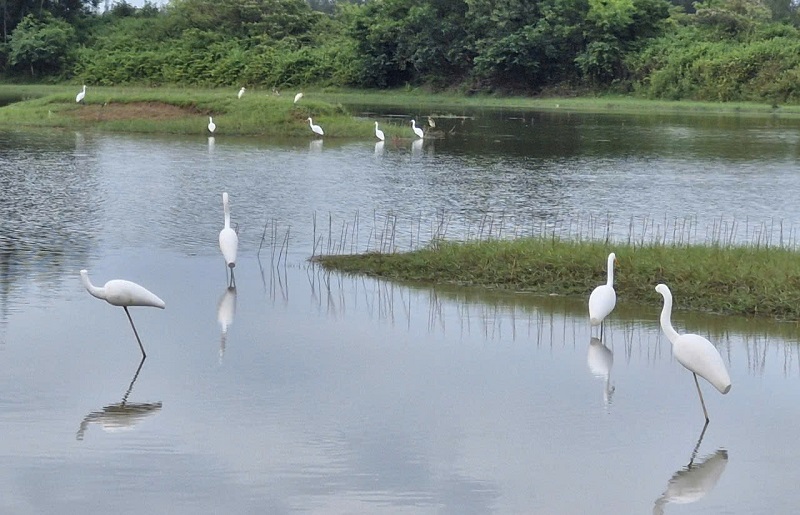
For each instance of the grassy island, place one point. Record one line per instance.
(736, 280)
(177, 111)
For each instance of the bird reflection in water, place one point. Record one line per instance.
(122, 415)
(600, 360)
(226, 309)
(696, 480)
(315, 146)
(379, 147)
(416, 147)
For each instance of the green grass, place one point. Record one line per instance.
(256, 113)
(600, 103)
(727, 280)
(259, 112)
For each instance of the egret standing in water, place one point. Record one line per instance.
(297, 97)
(603, 298)
(379, 133)
(81, 95)
(416, 129)
(211, 125)
(694, 352)
(228, 239)
(241, 92)
(119, 292)
(316, 128)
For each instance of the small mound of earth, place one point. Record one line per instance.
(131, 111)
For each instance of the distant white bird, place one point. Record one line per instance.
(694, 352)
(297, 97)
(379, 133)
(241, 92)
(211, 125)
(600, 360)
(603, 298)
(80, 96)
(228, 239)
(119, 292)
(316, 128)
(416, 129)
(431, 122)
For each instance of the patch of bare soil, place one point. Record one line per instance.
(131, 111)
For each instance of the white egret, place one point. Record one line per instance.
(228, 239)
(81, 95)
(297, 97)
(211, 125)
(316, 128)
(694, 352)
(431, 122)
(241, 92)
(119, 292)
(416, 129)
(600, 360)
(379, 133)
(603, 298)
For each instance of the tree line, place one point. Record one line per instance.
(712, 50)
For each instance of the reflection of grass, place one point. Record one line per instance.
(732, 279)
(176, 110)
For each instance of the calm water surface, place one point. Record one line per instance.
(313, 392)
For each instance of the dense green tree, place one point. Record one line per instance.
(258, 19)
(13, 11)
(41, 44)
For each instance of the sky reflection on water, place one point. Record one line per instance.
(308, 391)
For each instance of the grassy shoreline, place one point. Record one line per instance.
(178, 110)
(748, 281)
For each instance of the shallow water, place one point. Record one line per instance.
(332, 394)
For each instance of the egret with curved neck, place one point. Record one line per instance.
(603, 298)
(119, 292)
(695, 353)
(417, 130)
(211, 125)
(315, 128)
(81, 95)
(379, 133)
(228, 239)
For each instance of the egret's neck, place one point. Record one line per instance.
(610, 281)
(666, 320)
(95, 291)
(227, 218)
